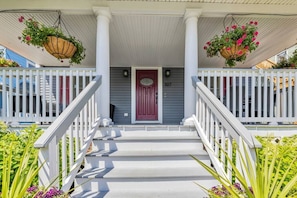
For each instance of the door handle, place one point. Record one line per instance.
(156, 97)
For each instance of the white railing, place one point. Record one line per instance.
(218, 129)
(253, 95)
(41, 94)
(65, 142)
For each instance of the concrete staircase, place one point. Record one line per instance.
(144, 162)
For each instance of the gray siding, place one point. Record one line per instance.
(120, 95)
(173, 96)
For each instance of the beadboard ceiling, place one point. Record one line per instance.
(151, 32)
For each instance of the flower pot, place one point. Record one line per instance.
(59, 48)
(233, 52)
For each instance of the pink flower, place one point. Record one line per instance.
(239, 41)
(246, 47)
(251, 22)
(253, 39)
(228, 48)
(28, 38)
(255, 33)
(208, 43)
(227, 29)
(243, 27)
(240, 52)
(256, 23)
(21, 19)
(234, 26)
(257, 43)
(205, 47)
(243, 36)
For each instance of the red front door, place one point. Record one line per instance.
(146, 95)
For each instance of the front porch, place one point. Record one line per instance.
(253, 96)
(218, 114)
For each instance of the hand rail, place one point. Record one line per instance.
(64, 144)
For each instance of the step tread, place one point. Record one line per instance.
(198, 193)
(150, 138)
(183, 173)
(146, 153)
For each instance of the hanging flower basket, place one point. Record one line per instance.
(234, 43)
(59, 48)
(53, 40)
(233, 52)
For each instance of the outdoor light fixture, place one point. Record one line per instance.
(167, 73)
(125, 73)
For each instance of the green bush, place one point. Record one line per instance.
(14, 143)
(287, 150)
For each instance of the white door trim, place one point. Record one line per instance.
(133, 95)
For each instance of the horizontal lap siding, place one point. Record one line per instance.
(120, 94)
(173, 96)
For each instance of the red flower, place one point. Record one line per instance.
(205, 47)
(227, 29)
(253, 39)
(256, 34)
(251, 22)
(228, 48)
(21, 19)
(234, 26)
(243, 27)
(256, 23)
(208, 43)
(257, 43)
(28, 38)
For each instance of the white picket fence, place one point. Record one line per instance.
(255, 96)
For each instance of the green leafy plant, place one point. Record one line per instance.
(262, 178)
(7, 62)
(18, 163)
(36, 34)
(234, 43)
(290, 63)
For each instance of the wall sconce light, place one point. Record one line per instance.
(167, 73)
(125, 73)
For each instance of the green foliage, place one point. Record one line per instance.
(17, 154)
(242, 36)
(271, 175)
(36, 34)
(290, 63)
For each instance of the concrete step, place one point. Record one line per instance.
(144, 161)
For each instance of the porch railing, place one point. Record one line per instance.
(253, 95)
(65, 142)
(41, 94)
(218, 129)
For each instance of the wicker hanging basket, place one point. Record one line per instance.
(59, 48)
(233, 52)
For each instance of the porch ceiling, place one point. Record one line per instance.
(152, 33)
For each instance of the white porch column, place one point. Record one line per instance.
(191, 60)
(102, 59)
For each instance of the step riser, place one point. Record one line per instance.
(110, 185)
(145, 145)
(117, 133)
(155, 162)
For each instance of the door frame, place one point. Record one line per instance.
(133, 95)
